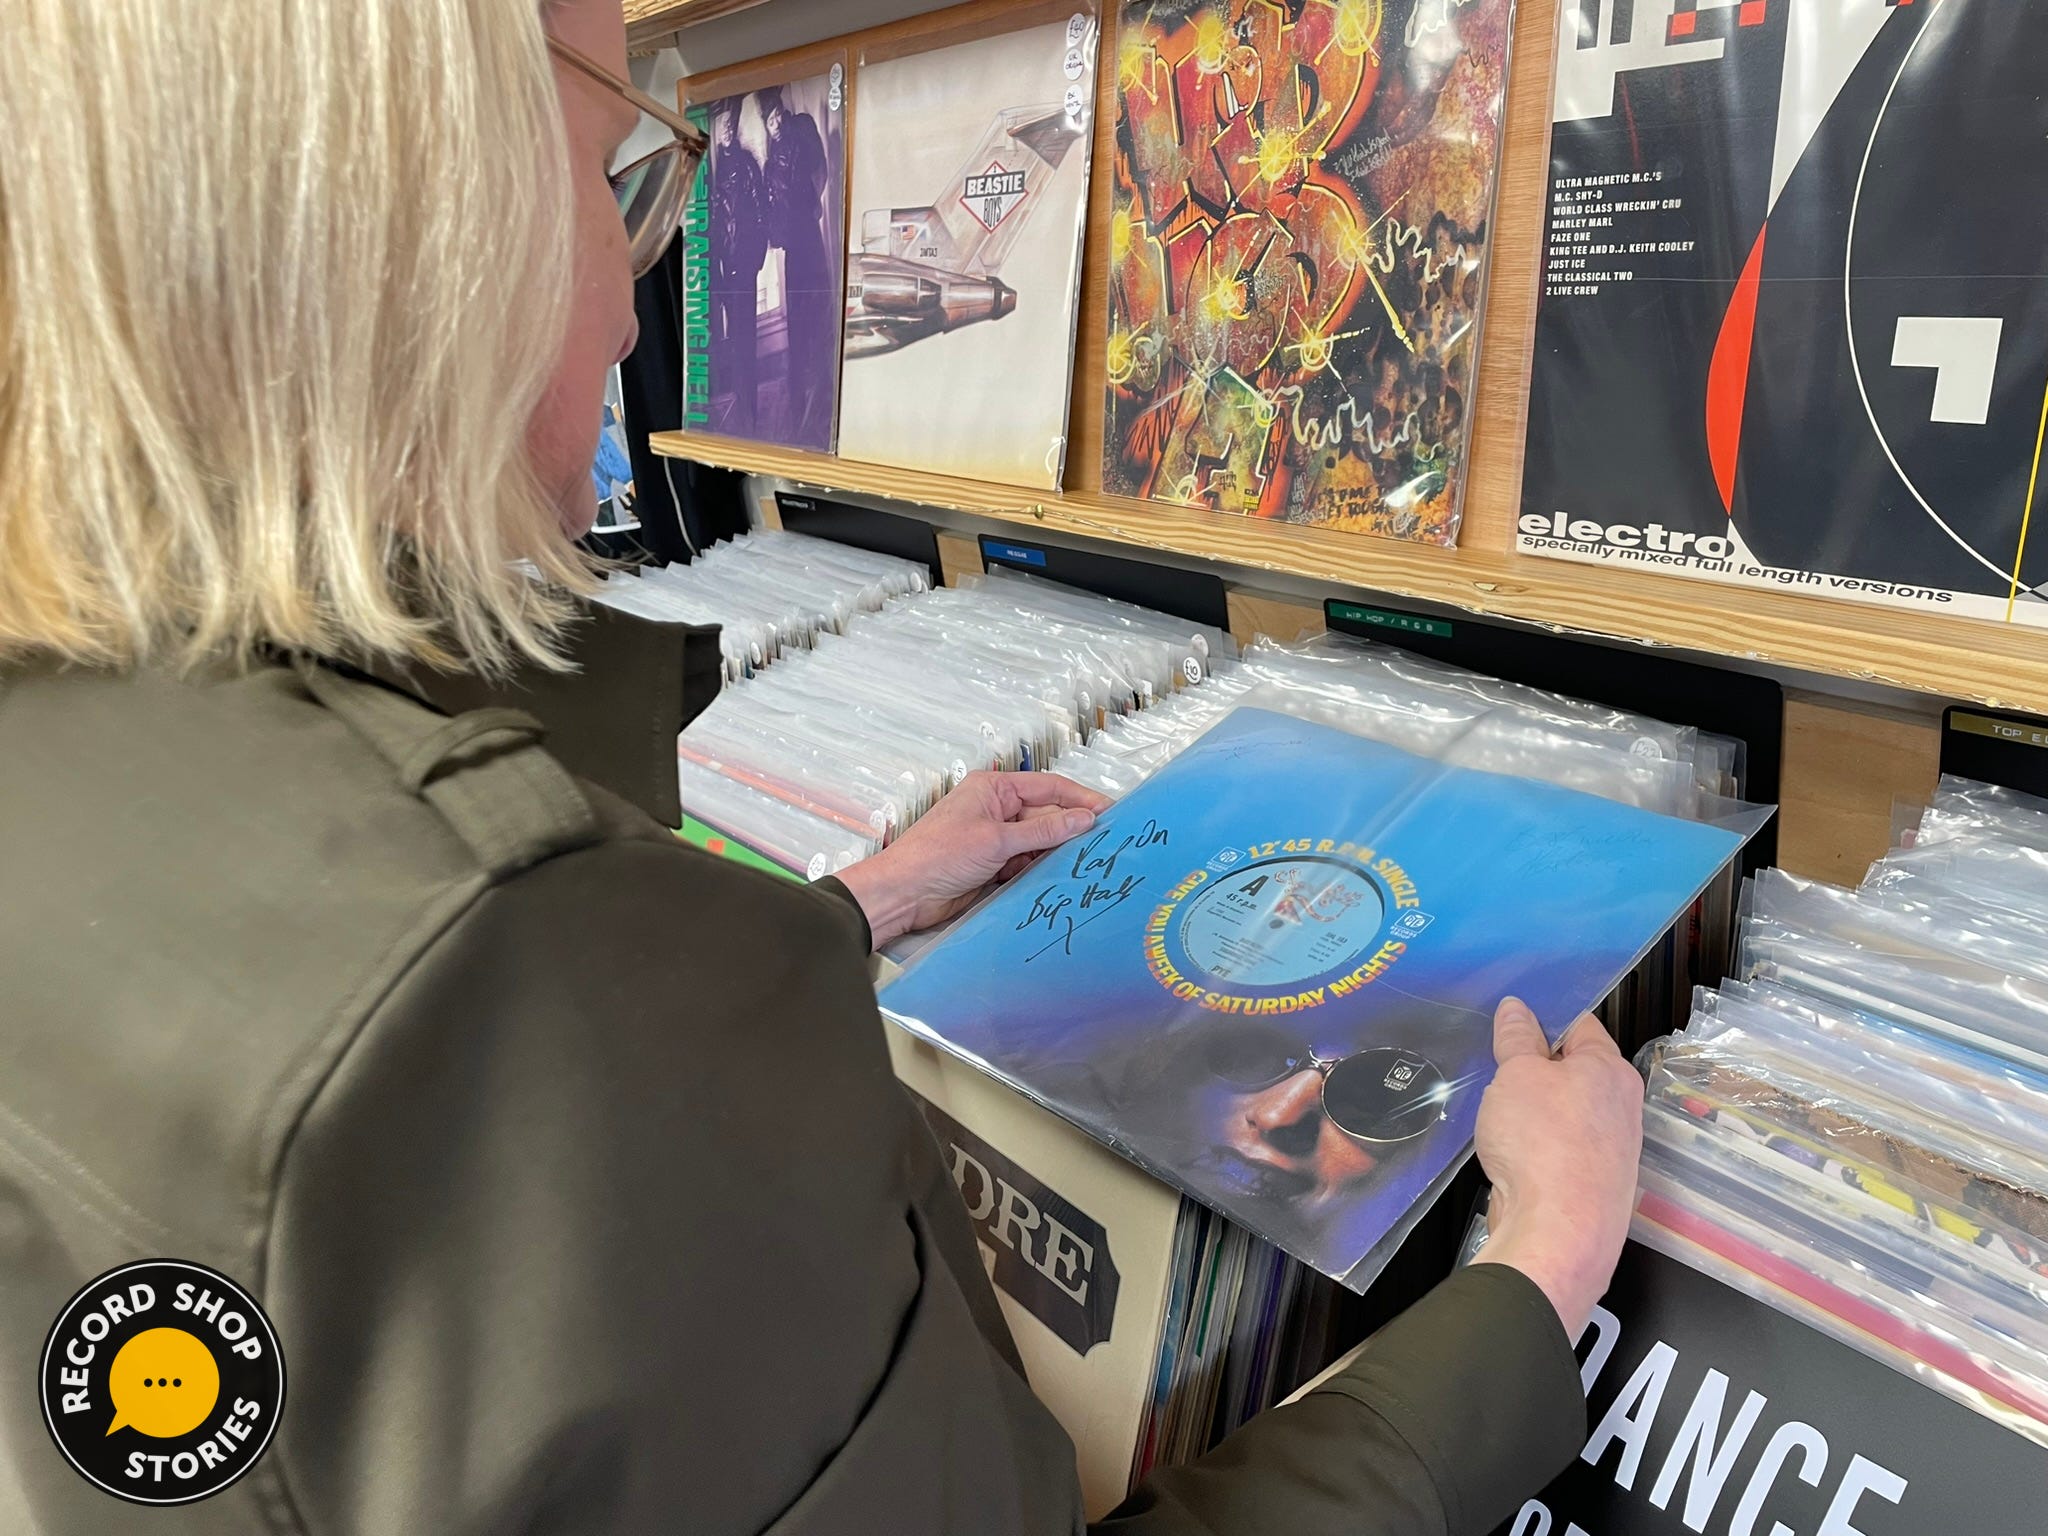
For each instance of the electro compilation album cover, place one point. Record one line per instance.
(1794, 323)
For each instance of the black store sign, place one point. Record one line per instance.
(1715, 1415)
(1046, 1253)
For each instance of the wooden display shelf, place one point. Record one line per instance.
(657, 18)
(1984, 662)
(1975, 660)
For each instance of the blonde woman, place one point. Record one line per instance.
(566, 1162)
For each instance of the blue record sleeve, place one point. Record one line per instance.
(1268, 975)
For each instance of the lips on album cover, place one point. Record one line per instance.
(1269, 974)
(970, 186)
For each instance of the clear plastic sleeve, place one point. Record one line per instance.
(1782, 1279)
(1453, 715)
(1269, 973)
(1959, 974)
(806, 845)
(2020, 817)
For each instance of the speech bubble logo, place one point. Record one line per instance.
(164, 1383)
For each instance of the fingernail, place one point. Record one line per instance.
(1079, 822)
(1514, 1008)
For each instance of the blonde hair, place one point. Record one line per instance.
(280, 287)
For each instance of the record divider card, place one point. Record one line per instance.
(1974, 660)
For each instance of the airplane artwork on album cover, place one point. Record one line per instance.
(1302, 222)
(1794, 324)
(970, 178)
(922, 271)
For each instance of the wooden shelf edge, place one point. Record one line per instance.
(655, 18)
(1963, 659)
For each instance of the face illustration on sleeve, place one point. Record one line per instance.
(1282, 1133)
(1286, 1121)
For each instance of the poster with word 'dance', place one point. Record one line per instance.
(1712, 1412)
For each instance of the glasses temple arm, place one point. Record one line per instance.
(691, 136)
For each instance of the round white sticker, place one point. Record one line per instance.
(1076, 100)
(1077, 27)
(1075, 63)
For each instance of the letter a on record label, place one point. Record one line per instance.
(162, 1382)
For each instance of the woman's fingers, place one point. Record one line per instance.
(1033, 789)
(1034, 834)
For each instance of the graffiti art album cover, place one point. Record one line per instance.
(1302, 220)
(970, 187)
(1269, 973)
(764, 263)
(1794, 323)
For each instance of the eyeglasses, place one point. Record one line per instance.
(1381, 1095)
(652, 190)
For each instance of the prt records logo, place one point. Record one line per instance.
(162, 1382)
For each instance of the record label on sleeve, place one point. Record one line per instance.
(1285, 922)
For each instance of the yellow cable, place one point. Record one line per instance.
(2027, 517)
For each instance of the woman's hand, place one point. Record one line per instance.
(982, 833)
(1560, 1138)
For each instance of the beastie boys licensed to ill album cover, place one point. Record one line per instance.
(969, 188)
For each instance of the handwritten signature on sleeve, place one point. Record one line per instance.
(1089, 889)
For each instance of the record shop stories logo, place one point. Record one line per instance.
(162, 1382)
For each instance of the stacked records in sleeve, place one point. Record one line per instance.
(861, 696)
(1857, 1130)
(883, 694)
(768, 592)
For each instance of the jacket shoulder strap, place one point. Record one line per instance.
(485, 771)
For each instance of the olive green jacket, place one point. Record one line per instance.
(567, 1162)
